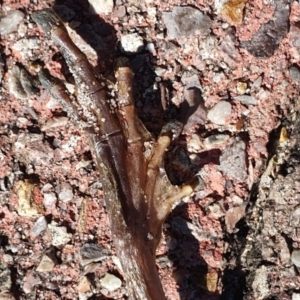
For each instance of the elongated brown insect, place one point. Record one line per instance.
(137, 191)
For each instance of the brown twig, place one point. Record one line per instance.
(137, 192)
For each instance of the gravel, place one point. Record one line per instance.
(186, 21)
(65, 193)
(247, 100)
(101, 7)
(233, 161)
(46, 264)
(228, 76)
(132, 43)
(39, 226)
(10, 22)
(296, 258)
(111, 282)
(219, 113)
(92, 253)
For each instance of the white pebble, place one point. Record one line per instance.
(247, 100)
(132, 43)
(150, 47)
(296, 258)
(49, 200)
(219, 113)
(66, 193)
(102, 6)
(110, 282)
(10, 23)
(39, 226)
(296, 296)
(60, 237)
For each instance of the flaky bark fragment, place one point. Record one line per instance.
(137, 191)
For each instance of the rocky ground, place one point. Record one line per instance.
(229, 71)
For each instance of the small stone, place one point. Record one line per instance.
(83, 164)
(241, 87)
(256, 83)
(295, 35)
(185, 22)
(56, 143)
(59, 234)
(296, 296)
(30, 148)
(84, 285)
(228, 50)
(55, 122)
(59, 155)
(236, 200)
(234, 10)
(120, 12)
(10, 22)
(39, 226)
(212, 281)
(110, 282)
(66, 193)
(219, 113)
(194, 144)
(260, 284)
(47, 187)
(190, 81)
(247, 100)
(26, 207)
(5, 280)
(101, 7)
(295, 74)
(284, 253)
(214, 140)
(30, 280)
(117, 263)
(26, 45)
(192, 110)
(278, 24)
(46, 264)
(132, 43)
(91, 268)
(151, 48)
(21, 83)
(178, 275)
(49, 200)
(92, 253)
(233, 161)
(296, 258)
(216, 210)
(160, 71)
(8, 259)
(233, 215)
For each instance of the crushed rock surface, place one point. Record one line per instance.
(234, 85)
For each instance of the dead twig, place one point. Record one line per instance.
(137, 191)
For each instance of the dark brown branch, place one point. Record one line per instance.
(137, 192)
